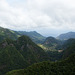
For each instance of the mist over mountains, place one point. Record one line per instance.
(37, 37)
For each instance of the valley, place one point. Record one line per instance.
(37, 37)
(30, 53)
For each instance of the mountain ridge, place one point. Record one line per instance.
(19, 54)
(66, 36)
(7, 33)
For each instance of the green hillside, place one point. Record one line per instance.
(19, 54)
(65, 67)
(36, 37)
(66, 36)
(7, 33)
(51, 44)
(69, 47)
(50, 41)
(67, 43)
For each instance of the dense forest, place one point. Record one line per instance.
(64, 67)
(37, 37)
(29, 53)
(20, 53)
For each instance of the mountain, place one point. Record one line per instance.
(68, 47)
(52, 47)
(66, 36)
(68, 43)
(64, 67)
(51, 41)
(51, 44)
(19, 54)
(7, 33)
(36, 37)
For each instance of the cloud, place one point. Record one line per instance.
(37, 14)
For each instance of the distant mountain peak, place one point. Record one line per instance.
(66, 36)
(51, 41)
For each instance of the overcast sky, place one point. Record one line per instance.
(48, 17)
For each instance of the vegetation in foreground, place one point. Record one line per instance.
(19, 54)
(64, 67)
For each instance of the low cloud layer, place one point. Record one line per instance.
(38, 14)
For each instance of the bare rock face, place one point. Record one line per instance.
(12, 45)
(4, 44)
(22, 47)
